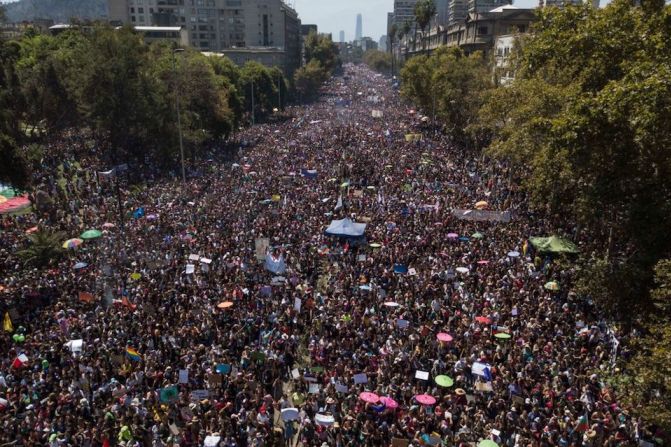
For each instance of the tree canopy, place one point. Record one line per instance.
(591, 118)
(112, 82)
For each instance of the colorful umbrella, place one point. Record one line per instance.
(32, 230)
(425, 399)
(369, 397)
(444, 381)
(389, 402)
(90, 234)
(391, 304)
(552, 285)
(481, 205)
(483, 262)
(135, 276)
(462, 269)
(452, 235)
(502, 336)
(374, 245)
(80, 265)
(483, 320)
(477, 235)
(108, 225)
(444, 337)
(487, 443)
(225, 304)
(513, 254)
(72, 243)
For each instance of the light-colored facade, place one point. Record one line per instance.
(404, 11)
(479, 31)
(456, 11)
(177, 34)
(503, 48)
(217, 25)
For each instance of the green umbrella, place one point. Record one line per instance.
(487, 443)
(552, 285)
(502, 336)
(91, 234)
(444, 381)
(477, 235)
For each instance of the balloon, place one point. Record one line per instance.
(45, 364)
(15, 337)
(22, 338)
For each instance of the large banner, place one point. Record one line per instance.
(482, 215)
(260, 248)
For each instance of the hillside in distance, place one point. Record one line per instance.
(57, 10)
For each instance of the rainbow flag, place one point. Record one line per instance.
(133, 354)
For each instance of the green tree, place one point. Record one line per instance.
(588, 124)
(321, 48)
(44, 249)
(378, 60)
(448, 84)
(115, 94)
(44, 70)
(425, 10)
(647, 374)
(264, 88)
(308, 79)
(13, 168)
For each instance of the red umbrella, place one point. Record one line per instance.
(425, 399)
(389, 402)
(369, 397)
(444, 337)
(483, 320)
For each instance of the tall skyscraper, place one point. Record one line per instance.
(359, 28)
(342, 36)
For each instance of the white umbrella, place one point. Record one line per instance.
(289, 414)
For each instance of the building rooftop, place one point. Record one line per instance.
(158, 28)
(503, 8)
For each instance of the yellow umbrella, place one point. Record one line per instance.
(481, 205)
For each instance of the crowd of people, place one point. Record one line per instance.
(218, 312)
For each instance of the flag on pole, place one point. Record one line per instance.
(20, 361)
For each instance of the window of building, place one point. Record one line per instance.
(233, 2)
(482, 30)
(132, 10)
(140, 10)
(132, 18)
(506, 51)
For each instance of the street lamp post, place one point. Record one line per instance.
(253, 118)
(179, 118)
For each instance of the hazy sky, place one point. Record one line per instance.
(331, 16)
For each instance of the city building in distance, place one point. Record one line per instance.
(222, 25)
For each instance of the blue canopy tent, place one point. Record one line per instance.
(347, 229)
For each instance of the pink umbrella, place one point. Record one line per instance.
(483, 262)
(452, 235)
(483, 320)
(389, 402)
(444, 337)
(425, 399)
(369, 397)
